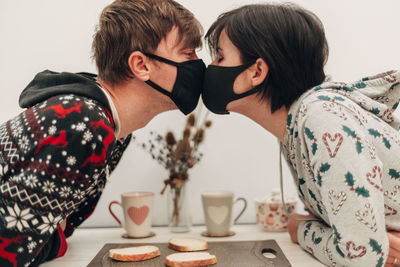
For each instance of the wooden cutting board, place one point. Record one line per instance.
(229, 254)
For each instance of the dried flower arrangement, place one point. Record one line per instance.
(178, 156)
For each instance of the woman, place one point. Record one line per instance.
(340, 140)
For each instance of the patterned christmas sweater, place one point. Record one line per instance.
(342, 144)
(54, 160)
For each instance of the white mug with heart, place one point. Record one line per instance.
(137, 208)
(217, 207)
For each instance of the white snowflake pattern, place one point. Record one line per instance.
(15, 123)
(17, 131)
(17, 178)
(78, 194)
(87, 136)
(68, 97)
(3, 170)
(90, 104)
(48, 187)
(31, 245)
(20, 249)
(80, 127)
(52, 130)
(18, 218)
(31, 181)
(71, 160)
(24, 143)
(49, 224)
(65, 191)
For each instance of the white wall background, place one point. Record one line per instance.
(364, 38)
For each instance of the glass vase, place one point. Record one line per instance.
(179, 217)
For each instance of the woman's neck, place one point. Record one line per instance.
(260, 112)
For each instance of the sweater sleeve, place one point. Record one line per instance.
(346, 190)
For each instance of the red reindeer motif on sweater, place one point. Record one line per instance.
(60, 112)
(59, 141)
(98, 160)
(5, 242)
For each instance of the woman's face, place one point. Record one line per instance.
(228, 55)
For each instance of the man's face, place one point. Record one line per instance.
(173, 49)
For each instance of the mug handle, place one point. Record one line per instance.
(112, 213)
(244, 208)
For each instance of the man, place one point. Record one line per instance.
(56, 155)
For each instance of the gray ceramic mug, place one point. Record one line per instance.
(217, 206)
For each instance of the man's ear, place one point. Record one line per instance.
(140, 66)
(260, 71)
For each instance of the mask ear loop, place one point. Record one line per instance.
(281, 185)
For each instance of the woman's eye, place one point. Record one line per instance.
(190, 54)
(219, 59)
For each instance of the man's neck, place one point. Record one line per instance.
(135, 104)
(260, 112)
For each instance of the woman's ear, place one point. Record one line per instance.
(260, 71)
(140, 65)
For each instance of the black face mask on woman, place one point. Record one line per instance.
(188, 84)
(218, 87)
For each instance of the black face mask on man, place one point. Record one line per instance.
(218, 87)
(188, 84)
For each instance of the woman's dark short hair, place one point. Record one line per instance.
(289, 38)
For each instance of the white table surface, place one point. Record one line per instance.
(84, 244)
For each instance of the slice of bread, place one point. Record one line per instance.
(187, 244)
(190, 259)
(138, 253)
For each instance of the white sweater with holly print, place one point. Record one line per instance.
(343, 147)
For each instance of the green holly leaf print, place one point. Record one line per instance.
(324, 97)
(312, 194)
(289, 120)
(337, 235)
(319, 179)
(317, 88)
(374, 133)
(348, 89)
(387, 143)
(318, 240)
(301, 182)
(320, 209)
(324, 167)
(349, 179)
(375, 246)
(339, 251)
(360, 85)
(395, 105)
(314, 148)
(394, 174)
(394, 85)
(309, 133)
(359, 147)
(349, 131)
(380, 262)
(361, 191)
(375, 111)
(338, 98)
(315, 240)
(305, 234)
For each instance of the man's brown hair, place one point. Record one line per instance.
(126, 26)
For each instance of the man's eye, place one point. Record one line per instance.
(219, 59)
